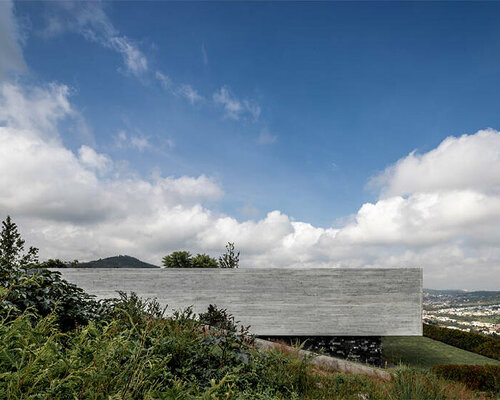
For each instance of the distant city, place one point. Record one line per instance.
(467, 311)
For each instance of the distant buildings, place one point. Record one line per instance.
(464, 318)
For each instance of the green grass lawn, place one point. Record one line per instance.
(422, 352)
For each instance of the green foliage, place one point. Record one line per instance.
(44, 292)
(409, 383)
(134, 352)
(183, 259)
(477, 377)
(178, 259)
(30, 287)
(204, 261)
(474, 342)
(229, 259)
(12, 255)
(219, 318)
(51, 263)
(58, 343)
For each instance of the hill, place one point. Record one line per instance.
(117, 262)
(460, 297)
(423, 352)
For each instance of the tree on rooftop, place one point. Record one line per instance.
(229, 259)
(178, 259)
(204, 261)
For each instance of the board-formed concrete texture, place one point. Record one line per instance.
(279, 301)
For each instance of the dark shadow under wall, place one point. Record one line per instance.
(363, 349)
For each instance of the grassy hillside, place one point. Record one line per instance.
(422, 352)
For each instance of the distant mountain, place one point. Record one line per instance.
(459, 298)
(463, 293)
(447, 291)
(117, 262)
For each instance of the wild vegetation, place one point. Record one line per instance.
(184, 259)
(133, 352)
(479, 377)
(474, 342)
(59, 343)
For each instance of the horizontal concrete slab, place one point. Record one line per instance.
(279, 301)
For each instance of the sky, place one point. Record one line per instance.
(311, 134)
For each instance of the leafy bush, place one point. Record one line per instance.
(27, 286)
(178, 259)
(183, 259)
(204, 261)
(55, 263)
(477, 377)
(44, 292)
(58, 343)
(474, 342)
(221, 319)
(134, 352)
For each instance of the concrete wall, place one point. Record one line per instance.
(279, 301)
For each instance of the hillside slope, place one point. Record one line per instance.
(423, 352)
(117, 262)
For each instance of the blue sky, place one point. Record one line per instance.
(346, 88)
(310, 133)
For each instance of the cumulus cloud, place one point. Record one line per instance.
(36, 110)
(233, 107)
(458, 163)
(11, 59)
(93, 160)
(77, 205)
(88, 18)
(41, 178)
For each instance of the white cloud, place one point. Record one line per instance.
(141, 143)
(11, 56)
(43, 179)
(233, 107)
(88, 18)
(458, 163)
(35, 110)
(79, 206)
(135, 61)
(183, 90)
(164, 80)
(189, 93)
(93, 160)
(266, 137)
